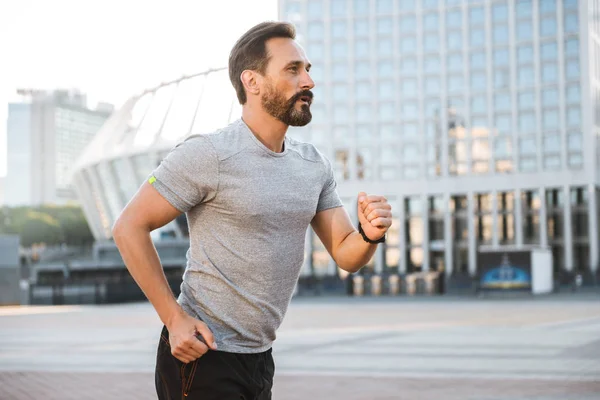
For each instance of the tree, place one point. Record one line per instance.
(41, 228)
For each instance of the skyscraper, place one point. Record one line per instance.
(478, 119)
(46, 132)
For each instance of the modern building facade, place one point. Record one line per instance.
(46, 133)
(478, 119)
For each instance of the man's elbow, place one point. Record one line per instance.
(350, 267)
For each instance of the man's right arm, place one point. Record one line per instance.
(147, 211)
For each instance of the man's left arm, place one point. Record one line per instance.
(342, 240)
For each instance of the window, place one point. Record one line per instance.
(526, 100)
(477, 37)
(315, 8)
(409, 87)
(361, 6)
(478, 104)
(501, 79)
(478, 81)
(361, 48)
(430, 64)
(454, 18)
(499, 12)
(409, 111)
(549, 51)
(503, 124)
(551, 144)
(478, 60)
(432, 85)
(525, 54)
(338, 30)
(524, 30)
(363, 112)
(572, 47)
(455, 62)
(502, 102)
(431, 22)
(340, 72)
(386, 90)
(340, 92)
(524, 9)
(501, 58)
(526, 122)
(572, 69)
(431, 43)
(573, 95)
(476, 16)
(527, 146)
(385, 26)
(406, 5)
(386, 111)
(549, 73)
(408, 24)
(339, 50)
(338, 8)
(573, 117)
(548, 26)
(501, 34)
(409, 66)
(315, 30)
(454, 40)
(384, 6)
(386, 69)
(455, 83)
(571, 23)
(575, 142)
(549, 97)
(408, 45)
(409, 131)
(361, 27)
(526, 76)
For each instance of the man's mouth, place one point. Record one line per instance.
(305, 99)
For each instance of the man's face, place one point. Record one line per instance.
(285, 91)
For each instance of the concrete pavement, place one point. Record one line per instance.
(328, 348)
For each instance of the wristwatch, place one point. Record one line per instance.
(366, 239)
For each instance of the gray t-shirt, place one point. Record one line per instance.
(248, 209)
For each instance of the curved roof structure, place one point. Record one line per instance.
(138, 135)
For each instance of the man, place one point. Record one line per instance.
(249, 193)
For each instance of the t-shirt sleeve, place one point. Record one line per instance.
(189, 174)
(329, 197)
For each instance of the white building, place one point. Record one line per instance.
(477, 119)
(46, 133)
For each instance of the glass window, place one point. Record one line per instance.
(501, 34)
(384, 6)
(409, 111)
(526, 122)
(526, 76)
(477, 37)
(361, 27)
(502, 148)
(385, 47)
(551, 143)
(339, 50)
(549, 51)
(409, 131)
(527, 164)
(409, 87)
(406, 5)
(384, 26)
(572, 46)
(547, 6)
(549, 73)
(339, 72)
(501, 79)
(361, 7)
(361, 48)
(478, 81)
(317, 52)
(386, 69)
(476, 16)
(454, 40)
(362, 70)
(386, 90)
(550, 120)
(363, 112)
(410, 153)
(549, 97)
(431, 43)
(315, 8)
(503, 124)
(573, 95)
(552, 162)
(571, 23)
(409, 65)
(408, 23)
(572, 69)
(526, 100)
(524, 9)
(338, 8)
(570, 5)
(339, 29)
(340, 92)
(432, 85)
(431, 64)
(431, 21)
(432, 107)
(340, 113)
(527, 146)
(386, 111)
(454, 62)
(502, 102)
(429, 3)
(575, 142)
(408, 45)
(499, 12)
(388, 132)
(575, 160)
(454, 18)
(525, 54)
(316, 73)
(455, 83)
(501, 57)
(548, 26)
(573, 116)
(478, 104)
(524, 30)
(315, 30)
(478, 60)
(362, 91)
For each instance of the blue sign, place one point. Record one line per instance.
(499, 270)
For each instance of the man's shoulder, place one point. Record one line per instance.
(225, 141)
(307, 151)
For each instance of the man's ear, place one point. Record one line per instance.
(250, 80)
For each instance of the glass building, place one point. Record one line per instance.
(478, 119)
(46, 133)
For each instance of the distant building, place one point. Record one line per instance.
(46, 132)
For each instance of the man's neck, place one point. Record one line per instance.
(267, 129)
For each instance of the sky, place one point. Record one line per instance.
(113, 49)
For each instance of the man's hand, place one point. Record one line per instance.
(186, 344)
(374, 215)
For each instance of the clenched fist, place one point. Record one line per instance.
(189, 338)
(374, 215)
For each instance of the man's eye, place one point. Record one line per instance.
(293, 69)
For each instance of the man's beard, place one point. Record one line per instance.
(285, 110)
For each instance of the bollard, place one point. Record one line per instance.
(394, 285)
(411, 285)
(430, 280)
(376, 285)
(359, 287)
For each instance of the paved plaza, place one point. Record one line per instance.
(329, 348)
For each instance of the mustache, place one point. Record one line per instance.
(303, 93)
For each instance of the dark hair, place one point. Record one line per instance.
(250, 52)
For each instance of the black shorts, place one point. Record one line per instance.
(215, 375)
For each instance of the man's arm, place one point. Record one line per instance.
(147, 211)
(343, 242)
